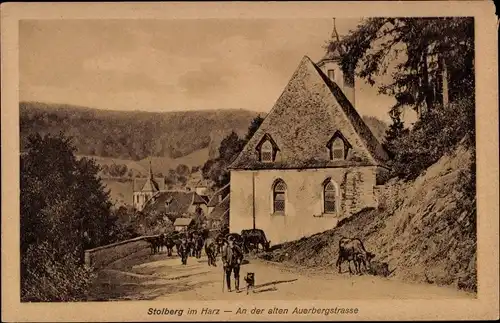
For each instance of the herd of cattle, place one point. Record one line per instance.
(351, 250)
(191, 243)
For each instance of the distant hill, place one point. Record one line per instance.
(131, 135)
(163, 164)
(126, 138)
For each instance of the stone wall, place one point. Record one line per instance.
(102, 256)
(303, 200)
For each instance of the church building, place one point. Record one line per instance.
(312, 162)
(148, 189)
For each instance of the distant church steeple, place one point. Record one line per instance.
(335, 34)
(150, 169)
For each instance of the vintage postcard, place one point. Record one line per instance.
(249, 161)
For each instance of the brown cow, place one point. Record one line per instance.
(211, 251)
(154, 243)
(352, 249)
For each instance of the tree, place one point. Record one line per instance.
(230, 147)
(396, 130)
(437, 54)
(64, 210)
(182, 170)
(254, 125)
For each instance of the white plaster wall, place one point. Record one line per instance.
(304, 201)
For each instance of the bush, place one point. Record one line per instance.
(433, 136)
(52, 278)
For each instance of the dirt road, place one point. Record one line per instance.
(162, 278)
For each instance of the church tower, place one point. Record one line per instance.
(330, 65)
(149, 189)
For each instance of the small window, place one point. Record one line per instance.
(338, 149)
(266, 152)
(331, 74)
(279, 197)
(329, 198)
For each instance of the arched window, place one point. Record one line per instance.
(279, 190)
(266, 152)
(338, 149)
(329, 197)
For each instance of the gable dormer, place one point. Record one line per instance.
(267, 149)
(338, 146)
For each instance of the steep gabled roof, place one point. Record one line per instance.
(172, 202)
(140, 182)
(150, 186)
(215, 198)
(220, 209)
(197, 199)
(304, 118)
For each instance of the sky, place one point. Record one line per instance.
(172, 65)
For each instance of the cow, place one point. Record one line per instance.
(211, 249)
(198, 246)
(169, 243)
(237, 238)
(254, 237)
(219, 241)
(224, 230)
(352, 249)
(154, 243)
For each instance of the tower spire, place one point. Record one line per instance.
(150, 169)
(335, 34)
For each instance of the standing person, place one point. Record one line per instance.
(232, 257)
(184, 251)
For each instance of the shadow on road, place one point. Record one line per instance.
(270, 289)
(276, 282)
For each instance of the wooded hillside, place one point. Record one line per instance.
(131, 135)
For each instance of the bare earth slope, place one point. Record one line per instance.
(423, 231)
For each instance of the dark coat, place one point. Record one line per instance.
(232, 256)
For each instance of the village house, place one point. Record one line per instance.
(219, 216)
(312, 162)
(218, 208)
(177, 203)
(183, 224)
(154, 187)
(217, 197)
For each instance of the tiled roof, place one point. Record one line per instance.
(308, 113)
(140, 182)
(182, 221)
(150, 186)
(178, 202)
(197, 199)
(215, 198)
(219, 211)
